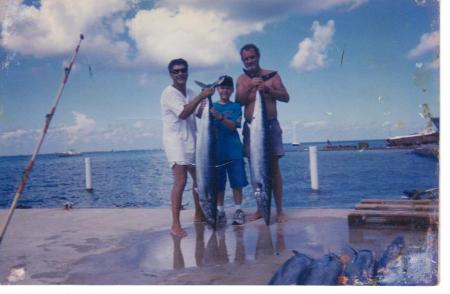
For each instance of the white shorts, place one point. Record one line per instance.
(188, 159)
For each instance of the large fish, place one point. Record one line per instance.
(391, 268)
(359, 270)
(260, 153)
(323, 271)
(292, 271)
(392, 252)
(205, 161)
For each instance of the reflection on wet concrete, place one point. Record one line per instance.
(248, 254)
(178, 260)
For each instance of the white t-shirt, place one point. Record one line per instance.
(179, 135)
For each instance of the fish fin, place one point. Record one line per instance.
(353, 249)
(201, 85)
(218, 82)
(213, 85)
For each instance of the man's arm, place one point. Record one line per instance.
(190, 107)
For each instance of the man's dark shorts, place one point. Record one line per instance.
(236, 174)
(275, 137)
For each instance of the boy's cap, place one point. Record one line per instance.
(227, 81)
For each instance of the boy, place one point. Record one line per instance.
(230, 158)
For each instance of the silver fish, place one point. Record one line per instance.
(205, 161)
(260, 152)
(260, 158)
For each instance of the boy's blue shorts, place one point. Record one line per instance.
(236, 174)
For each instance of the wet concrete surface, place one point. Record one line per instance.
(134, 247)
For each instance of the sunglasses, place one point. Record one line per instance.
(178, 71)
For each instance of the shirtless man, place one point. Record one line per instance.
(273, 90)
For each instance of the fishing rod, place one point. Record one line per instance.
(48, 118)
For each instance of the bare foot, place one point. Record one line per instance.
(255, 216)
(281, 217)
(178, 232)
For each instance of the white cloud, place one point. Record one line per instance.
(54, 27)
(18, 134)
(311, 53)
(146, 80)
(399, 125)
(204, 38)
(84, 135)
(315, 124)
(123, 33)
(83, 127)
(139, 124)
(429, 42)
(264, 10)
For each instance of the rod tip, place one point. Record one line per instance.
(81, 36)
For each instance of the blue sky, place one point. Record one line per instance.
(390, 65)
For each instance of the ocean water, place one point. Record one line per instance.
(143, 178)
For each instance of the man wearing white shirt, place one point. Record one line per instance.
(179, 135)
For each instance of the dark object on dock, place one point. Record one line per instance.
(422, 194)
(292, 271)
(360, 269)
(68, 205)
(323, 271)
(417, 213)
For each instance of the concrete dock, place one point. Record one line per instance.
(134, 247)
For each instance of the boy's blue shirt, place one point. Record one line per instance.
(229, 146)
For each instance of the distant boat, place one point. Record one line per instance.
(69, 153)
(414, 139)
(330, 147)
(427, 136)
